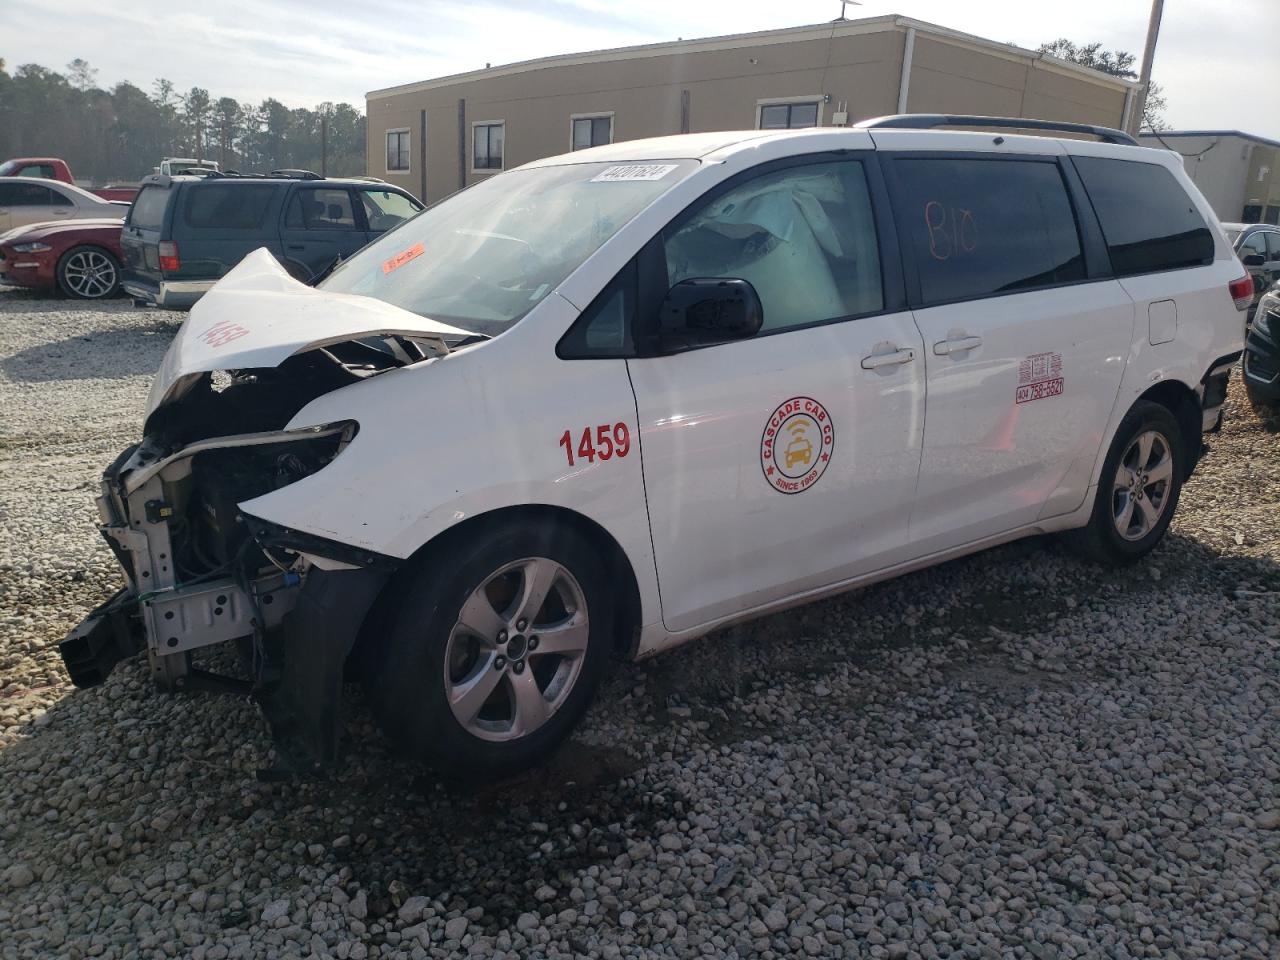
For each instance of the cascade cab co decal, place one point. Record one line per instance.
(796, 446)
(1039, 376)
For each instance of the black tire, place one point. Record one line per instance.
(1101, 540)
(89, 272)
(1265, 408)
(404, 673)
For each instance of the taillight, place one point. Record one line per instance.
(169, 258)
(1242, 292)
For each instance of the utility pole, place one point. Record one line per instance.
(1148, 54)
(324, 145)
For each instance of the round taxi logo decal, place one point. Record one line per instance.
(796, 446)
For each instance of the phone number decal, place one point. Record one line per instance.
(1038, 391)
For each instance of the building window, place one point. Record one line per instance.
(591, 131)
(487, 144)
(788, 114)
(398, 150)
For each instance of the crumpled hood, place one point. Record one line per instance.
(258, 316)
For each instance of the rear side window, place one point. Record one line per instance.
(147, 212)
(981, 228)
(1147, 219)
(226, 206)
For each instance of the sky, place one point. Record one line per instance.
(1210, 62)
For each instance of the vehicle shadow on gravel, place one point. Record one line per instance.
(181, 768)
(133, 351)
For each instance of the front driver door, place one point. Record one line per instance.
(786, 462)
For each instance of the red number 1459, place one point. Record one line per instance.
(606, 443)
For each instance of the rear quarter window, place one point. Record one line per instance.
(147, 212)
(226, 206)
(986, 227)
(1148, 220)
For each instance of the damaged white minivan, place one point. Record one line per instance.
(608, 402)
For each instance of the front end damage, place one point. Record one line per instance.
(200, 571)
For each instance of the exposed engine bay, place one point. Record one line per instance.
(200, 572)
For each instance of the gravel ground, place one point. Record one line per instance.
(1016, 754)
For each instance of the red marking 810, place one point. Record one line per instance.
(606, 443)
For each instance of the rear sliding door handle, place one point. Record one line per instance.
(946, 347)
(877, 360)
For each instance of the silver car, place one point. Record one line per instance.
(25, 200)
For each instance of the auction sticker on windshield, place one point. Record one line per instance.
(400, 259)
(634, 171)
(796, 446)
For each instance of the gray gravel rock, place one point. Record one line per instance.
(1015, 754)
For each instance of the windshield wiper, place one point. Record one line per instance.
(325, 272)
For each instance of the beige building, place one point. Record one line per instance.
(437, 136)
(1238, 173)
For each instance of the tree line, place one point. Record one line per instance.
(120, 135)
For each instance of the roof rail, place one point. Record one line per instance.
(293, 173)
(928, 121)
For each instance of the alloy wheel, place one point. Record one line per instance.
(89, 274)
(516, 649)
(1143, 482)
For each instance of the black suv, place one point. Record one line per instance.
(183, 233)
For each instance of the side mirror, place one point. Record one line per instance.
(1254, 260)
(699, 312)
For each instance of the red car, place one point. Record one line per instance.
(79, 257)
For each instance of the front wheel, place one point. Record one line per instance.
(495, 651)
(1138, 490)
(89, 273)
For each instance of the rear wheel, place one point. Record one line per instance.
(494, 652)
(1138, 490)
(89, 273)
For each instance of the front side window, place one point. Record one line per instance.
(34, 195)
(1148, 220)
(980, 227)
(592, 132)
(227, 206)
(1273, 246)
(486, 256)
(788, 116)
(803, 236)
(1254, 245)
(487, 144)
(384, 209)
(320, 210)
(397, 151)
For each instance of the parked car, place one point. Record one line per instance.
(1261, 366)
(186, 232)
(51, 168)
(610, 401)
(173, 166)
(24, 200)
(1258, 247)
(81, 258)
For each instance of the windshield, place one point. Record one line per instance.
(485, 257)
(1233, 236)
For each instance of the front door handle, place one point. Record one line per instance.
(877, 360)
(944, 348)
(295, 246)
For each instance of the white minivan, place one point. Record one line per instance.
(607, 402)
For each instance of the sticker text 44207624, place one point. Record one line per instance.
(602, 441)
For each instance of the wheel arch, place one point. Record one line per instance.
(1184, 403)
(618, 567)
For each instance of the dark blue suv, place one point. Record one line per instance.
(183, 233)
